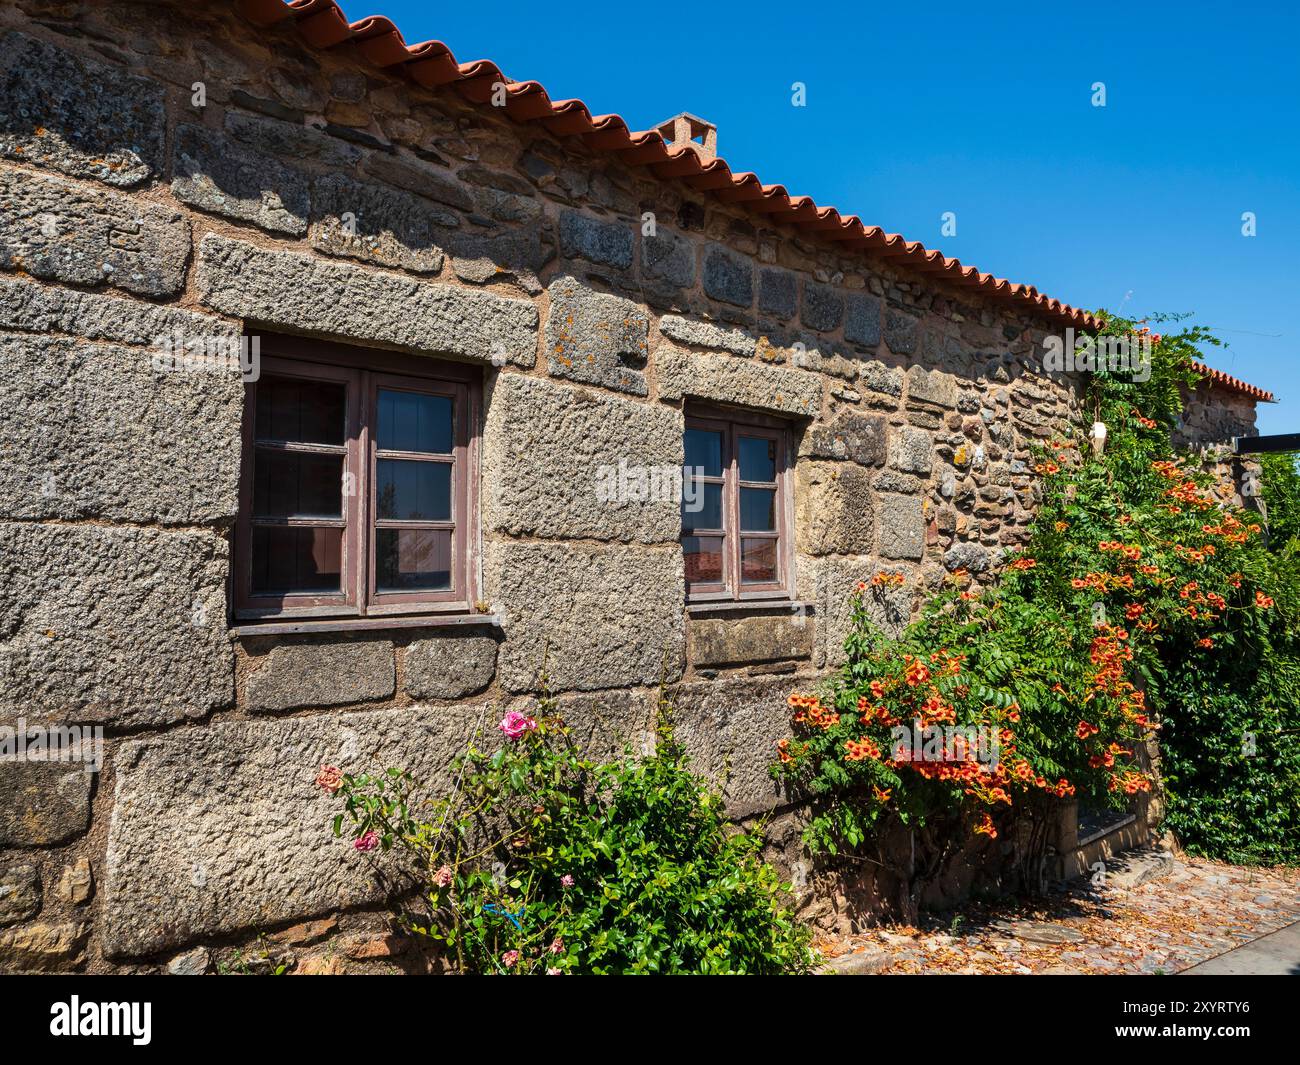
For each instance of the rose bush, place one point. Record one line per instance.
(543, 861)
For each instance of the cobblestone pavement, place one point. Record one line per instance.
(1152, 913)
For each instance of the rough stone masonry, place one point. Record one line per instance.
(305, 192)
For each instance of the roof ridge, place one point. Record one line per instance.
(431, 64)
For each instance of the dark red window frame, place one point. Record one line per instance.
(364, 372)
(732, 425)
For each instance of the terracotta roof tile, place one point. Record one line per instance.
(431, 64)
(1233, 384)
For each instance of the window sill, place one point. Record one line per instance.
(708, 607)
(427, 621)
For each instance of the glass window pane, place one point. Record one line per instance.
(757, 459)
(703, 555)
(411, 421)
(289, 484)
(408, 560)
(704, 450)
(757, 561)
(413, 491)
(758, 509)
(701, 505)
(297, 560)
(305, 412)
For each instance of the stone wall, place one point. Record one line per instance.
(1212, 416)
(127, 212)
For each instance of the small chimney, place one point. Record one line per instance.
(690, 131)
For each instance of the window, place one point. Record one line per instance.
(734, 507)
(358, 484)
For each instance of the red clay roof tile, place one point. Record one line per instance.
(431, 64)
(1233, 384)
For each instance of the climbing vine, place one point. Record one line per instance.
(1144, 603)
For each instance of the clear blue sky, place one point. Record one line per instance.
(914, 109)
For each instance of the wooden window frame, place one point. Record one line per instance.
(365, 371)
(733, 424)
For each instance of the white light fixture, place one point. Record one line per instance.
(1098, 437)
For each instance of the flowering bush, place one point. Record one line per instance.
(1142, 602)
(984, 704)
(545, 862)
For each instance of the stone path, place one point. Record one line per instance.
(1152, 913)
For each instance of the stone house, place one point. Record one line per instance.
(502, 325)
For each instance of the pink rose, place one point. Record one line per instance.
(566, 881)
(510, 958)
(515, 724)
(330, 778)
(553, 972)
(443, 877)
(557, 946)
(367, 842)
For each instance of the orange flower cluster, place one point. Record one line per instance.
(1197, 600)
(811, 711)
(916, 673)
(888, 580)
(1023, 563)
(1101, 581)
(860, 749)
(1047, 467)
(1187, 492)
(879, 715)
(970, 773)
(1231, 530)
(1193, 555)
(1110, 655)
(1107, 757)
(1130, 782)
(1130, 553)
(1263, 601)
(934, 711)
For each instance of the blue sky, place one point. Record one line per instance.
(985, 110)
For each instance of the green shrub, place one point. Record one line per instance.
(1280, 490)
(543, 861)
(1142, 602)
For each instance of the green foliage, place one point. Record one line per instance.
(1222, 675)
(1034, 693)
(1280, 490)
(545, 861)
(1143, 601)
